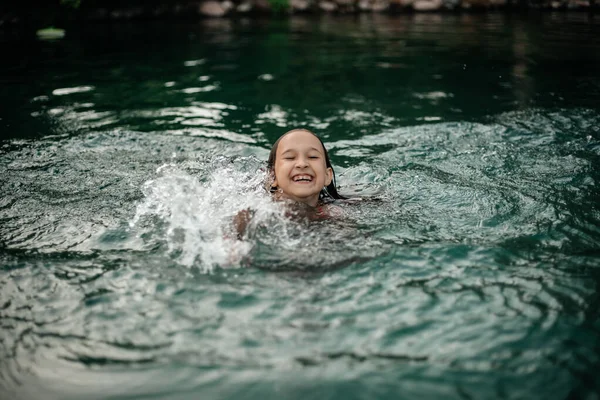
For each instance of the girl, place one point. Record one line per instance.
(299, 171)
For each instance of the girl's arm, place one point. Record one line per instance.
(241, 221)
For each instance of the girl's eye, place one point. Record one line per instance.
(313, 157)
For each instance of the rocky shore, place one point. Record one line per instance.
(214, 8)
(156, 9)
(223, 8)
(31, 15)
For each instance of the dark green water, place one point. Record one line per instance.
(127, 149)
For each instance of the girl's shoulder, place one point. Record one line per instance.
(339, 207)
(328, 210)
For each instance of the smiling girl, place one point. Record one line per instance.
(300, 173)
(300, 170)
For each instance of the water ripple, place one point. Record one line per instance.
(469, 268)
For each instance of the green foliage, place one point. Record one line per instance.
(71, 3)
(279, 5)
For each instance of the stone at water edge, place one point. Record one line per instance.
(427, 5)
(364, 5)
(328, 6)
(211, 9)
(300, 5)
(227, 5)
(380, 5)
(244, 7)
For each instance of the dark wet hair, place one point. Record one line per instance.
(328, 192)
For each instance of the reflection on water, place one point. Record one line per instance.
(468, 271)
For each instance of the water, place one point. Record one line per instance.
(128, 149)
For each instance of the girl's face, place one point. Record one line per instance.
(300, 171)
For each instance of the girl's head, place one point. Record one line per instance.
(300, 169)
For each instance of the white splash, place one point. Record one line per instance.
(197, 203)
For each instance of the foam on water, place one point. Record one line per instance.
(196, 203)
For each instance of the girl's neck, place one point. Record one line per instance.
(312, 203)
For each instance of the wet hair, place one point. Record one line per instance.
(328, 192)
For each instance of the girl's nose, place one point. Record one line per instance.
(301, 162)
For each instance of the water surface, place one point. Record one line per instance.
(127, 150)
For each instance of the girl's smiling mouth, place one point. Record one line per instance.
(302, 178)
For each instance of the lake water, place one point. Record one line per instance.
(472, 272)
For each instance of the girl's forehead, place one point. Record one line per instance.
(297, 140)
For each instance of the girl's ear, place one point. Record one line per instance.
(329, 176)
(272, 179)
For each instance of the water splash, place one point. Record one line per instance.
(194, 204)
(189, 208)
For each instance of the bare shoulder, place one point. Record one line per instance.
(332, 210)
(340, 207)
